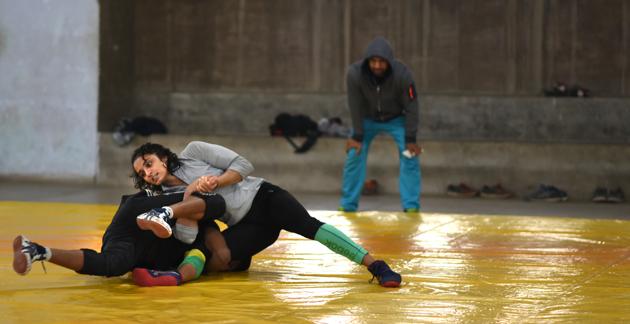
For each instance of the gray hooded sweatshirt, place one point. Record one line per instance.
(382, 99)
(200, 159)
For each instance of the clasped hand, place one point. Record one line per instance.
(203, 184)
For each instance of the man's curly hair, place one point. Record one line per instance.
(172, 163)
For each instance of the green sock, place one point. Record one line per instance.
(337, 241)
(196, 258)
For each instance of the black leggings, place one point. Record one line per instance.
(273, 209)
(125, 246)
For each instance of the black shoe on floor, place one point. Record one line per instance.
(616, 196)
(600, 195)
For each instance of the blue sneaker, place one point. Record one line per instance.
(384, 274)
(548, 193)
(346, 210)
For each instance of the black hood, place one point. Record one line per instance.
(379, 47)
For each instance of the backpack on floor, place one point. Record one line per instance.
(299, 125)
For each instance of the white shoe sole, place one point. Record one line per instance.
(156, 225)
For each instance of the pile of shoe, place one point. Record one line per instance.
(562, 90)
(548, 193)
(463, 190)
(544, 192)
(605, 195)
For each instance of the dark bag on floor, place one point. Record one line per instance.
(288, 126)
(128, 128)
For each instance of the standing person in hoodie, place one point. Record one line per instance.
(382, 98)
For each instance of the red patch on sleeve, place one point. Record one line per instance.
(412, 92)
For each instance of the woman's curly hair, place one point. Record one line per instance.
(172, 163)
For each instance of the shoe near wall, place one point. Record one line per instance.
(600, 195)
(370, 188)
(616, 196)
(548, 193)
(495, 192)
(605, 195)
(461, 190)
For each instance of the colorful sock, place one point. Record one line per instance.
(148, 278)
(195, 258)
(337, 241)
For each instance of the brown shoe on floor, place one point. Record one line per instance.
(495, 192)
(462, 191)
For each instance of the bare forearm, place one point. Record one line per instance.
(229, 177)
(215, 240)
(221, 255)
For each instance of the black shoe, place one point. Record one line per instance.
(384, 274)
(557, 195)
(541, 192)
(25, 253)
(616, 196)
(600, 195)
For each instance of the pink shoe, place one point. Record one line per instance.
(148, 278)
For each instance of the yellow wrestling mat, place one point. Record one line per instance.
(456, 269)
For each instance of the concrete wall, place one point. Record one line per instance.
(48, 88)
(457, 118)
(503, 47)
(116, 84)
(194, 62)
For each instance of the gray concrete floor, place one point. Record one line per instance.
(89, 193)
